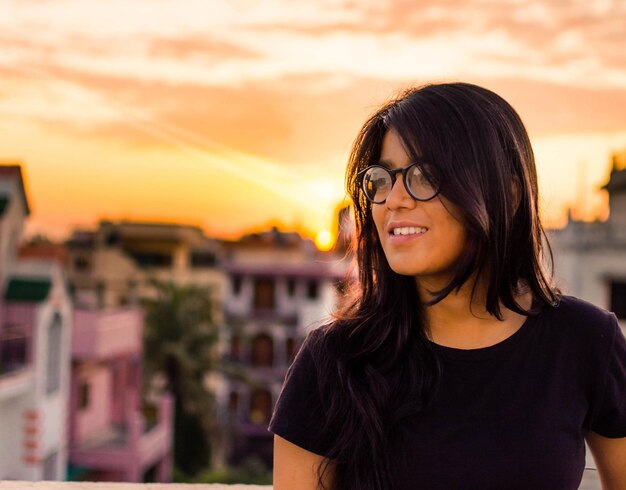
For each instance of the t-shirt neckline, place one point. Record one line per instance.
(491, 350)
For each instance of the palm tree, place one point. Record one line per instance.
(180, 347)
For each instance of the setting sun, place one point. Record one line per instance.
(324, 240)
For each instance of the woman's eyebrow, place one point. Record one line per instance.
(390, 165)
(387, 164)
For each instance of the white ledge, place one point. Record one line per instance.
(590, 481)
(49, 485)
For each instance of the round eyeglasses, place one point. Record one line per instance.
(377, 182)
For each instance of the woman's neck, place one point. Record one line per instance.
(461, 319)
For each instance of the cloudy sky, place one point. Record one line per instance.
(231, 114)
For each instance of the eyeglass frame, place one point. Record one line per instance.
(393, 172)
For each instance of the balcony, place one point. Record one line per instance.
(14, 346)
(125, 451)
(261, 316)
(103, 334)
(16, 383)
(16, 375)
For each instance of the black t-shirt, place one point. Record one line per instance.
(509, 416)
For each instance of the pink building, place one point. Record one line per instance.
(111, 437)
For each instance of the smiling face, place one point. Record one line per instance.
(420, 238)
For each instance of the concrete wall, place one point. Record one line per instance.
(590, 481)
(11, 447)
(586, 274)
(96, 415)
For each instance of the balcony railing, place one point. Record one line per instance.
(130, 448)
(16, 336)
(102, 334)
(13, 351)
(16, 373)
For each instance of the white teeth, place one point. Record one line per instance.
(408, 230)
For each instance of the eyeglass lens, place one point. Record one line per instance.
(378, 182)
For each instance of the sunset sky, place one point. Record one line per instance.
(236, 113)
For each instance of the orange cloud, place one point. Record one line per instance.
(165, 86)
(195, 45)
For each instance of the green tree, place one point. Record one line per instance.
(180, 339)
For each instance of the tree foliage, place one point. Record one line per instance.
(180, 347)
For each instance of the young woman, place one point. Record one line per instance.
(456, 364)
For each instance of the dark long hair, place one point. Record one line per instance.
(376, 366)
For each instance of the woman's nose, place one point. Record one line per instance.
(398, 196)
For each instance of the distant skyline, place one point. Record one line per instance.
(234, 114)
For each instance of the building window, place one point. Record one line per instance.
(83, 396)
(233, 401)
(112, 238)
(82, 264)
(618, 299)
(235, 348)
(134, 378)
(260, 406)
(203, 259)
(236, 283)
(312, 290)
(263, 294)
(290, 349)
(100, 293)
(262, 351)
(291, 287)
(53, 362)
(13, 349)
(152, 259)
(132, 289)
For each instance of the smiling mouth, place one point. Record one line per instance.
(408, 230)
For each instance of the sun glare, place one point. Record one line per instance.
(324, 240)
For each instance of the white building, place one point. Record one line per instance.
(35, 341)
(280, 286)
(590, 258)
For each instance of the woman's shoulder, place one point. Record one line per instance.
(319, 340)
(315, 348)
(571, 308)
(582, 321)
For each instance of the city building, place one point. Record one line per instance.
(70, 379)
(590, 257)
(111, 269)
(35, 339)
(113, 265)
(280, 286)
(112, 436)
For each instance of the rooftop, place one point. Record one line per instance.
(13, 170)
